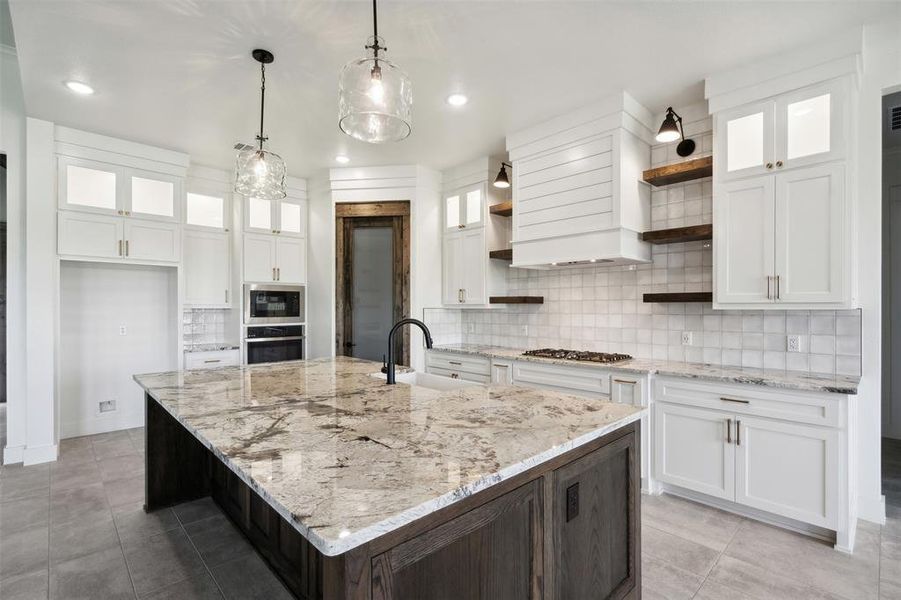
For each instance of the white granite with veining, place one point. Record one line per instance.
(794, 380)
(346, 458)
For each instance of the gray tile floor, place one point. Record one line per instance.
(75, 529)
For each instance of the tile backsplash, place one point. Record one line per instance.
(204, 326)
(600, 308)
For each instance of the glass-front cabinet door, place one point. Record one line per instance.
(207, 210)
(153, 196)
(810, 125)
(464, 208)
(258, 215)
(744, 139)
(90, 186)
(292, 217)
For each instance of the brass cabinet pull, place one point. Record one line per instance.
(769, 165)
(226, 296)
(464, 294)
(214, 360)
(126, 247)
(120, 247)
(768, 296)
(273, 273)
(453, 362)
(738, 432)
(121, 212)
(779, 163)
(278, 273)
(778, 286)
(728, 431)
(724, 399)
(455, 376)
(626, 381)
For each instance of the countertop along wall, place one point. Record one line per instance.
(601, 308)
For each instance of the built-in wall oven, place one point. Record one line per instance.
(274, 343)
(265, 304)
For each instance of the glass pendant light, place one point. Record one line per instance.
(260, 173)
(375, 98)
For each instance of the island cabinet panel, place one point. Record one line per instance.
(596, 524)
(492, 552)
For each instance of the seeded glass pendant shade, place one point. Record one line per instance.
(260, 173)
(375, 97)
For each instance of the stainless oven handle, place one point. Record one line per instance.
(290, 338)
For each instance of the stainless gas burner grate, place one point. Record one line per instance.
(578, 355)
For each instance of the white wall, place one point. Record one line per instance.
(12, 143)
(97, 363)
(419, 186)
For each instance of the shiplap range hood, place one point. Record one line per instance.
(578, 198)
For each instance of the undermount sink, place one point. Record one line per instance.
(427, 380)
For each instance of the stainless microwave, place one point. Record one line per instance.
(266, 303)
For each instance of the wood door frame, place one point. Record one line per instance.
(370, 214)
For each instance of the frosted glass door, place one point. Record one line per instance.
(373, 290)
(204, 210)
(745, 140)
(473, 208)
(258, 215)
(810, 126)
(153, 196)
(89, 186)
(292, 217)
(452, 219)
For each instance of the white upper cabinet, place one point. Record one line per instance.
(90, 186)
(206, 210)
(207, 268)
(781, 216)
(271, 258)
(794, 129)
(287, 216)
(153, 196)
(465, 208)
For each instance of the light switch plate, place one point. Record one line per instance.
(793, 343)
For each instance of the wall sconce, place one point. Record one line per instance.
(502, 181)
(671, 130)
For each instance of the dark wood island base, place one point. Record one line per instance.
(567, 529)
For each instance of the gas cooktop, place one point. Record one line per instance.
(579, 355)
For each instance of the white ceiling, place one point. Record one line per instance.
(178, 73)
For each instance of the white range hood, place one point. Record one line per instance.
(578, 198)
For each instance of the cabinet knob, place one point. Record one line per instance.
(769, 165)
(779, 163)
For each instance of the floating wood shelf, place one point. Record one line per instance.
(501, 254)
(679, 172)
(679, 297)
(676, 235)
(502, 209)
(516, 300)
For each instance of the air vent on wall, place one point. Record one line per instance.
(896, 118)
(241, 147)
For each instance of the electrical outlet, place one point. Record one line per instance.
(686, 338)
(793, 343)
(107, 406)
(123, 330)
(524, 330)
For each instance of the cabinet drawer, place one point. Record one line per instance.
(211, 360)
(453, 374)
(468, 363)
(594, 381)
(790, 405)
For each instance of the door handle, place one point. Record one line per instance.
(728, 431)
(349, 344)
(738, 432)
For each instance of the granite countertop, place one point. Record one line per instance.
(347, 458)
(793, 380)
(210, 347)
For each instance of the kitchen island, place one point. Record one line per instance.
(351, 488)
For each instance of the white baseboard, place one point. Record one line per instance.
(871, 509)
(13, 454)
(35, 455)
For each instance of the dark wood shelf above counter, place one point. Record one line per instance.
(502, 209)
(679, 172)
(679, 297)
(516, 300)
(676, 235)
(501, 254)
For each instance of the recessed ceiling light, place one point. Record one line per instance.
(457, 99)
(342, 159)
(80, 88)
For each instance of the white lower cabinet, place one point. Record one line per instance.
(89, 235)
(469, 367)
(778, 451)
(212, 359)
(501, 372)
(207, 271)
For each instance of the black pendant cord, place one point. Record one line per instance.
(262, 138)
(375, 47)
